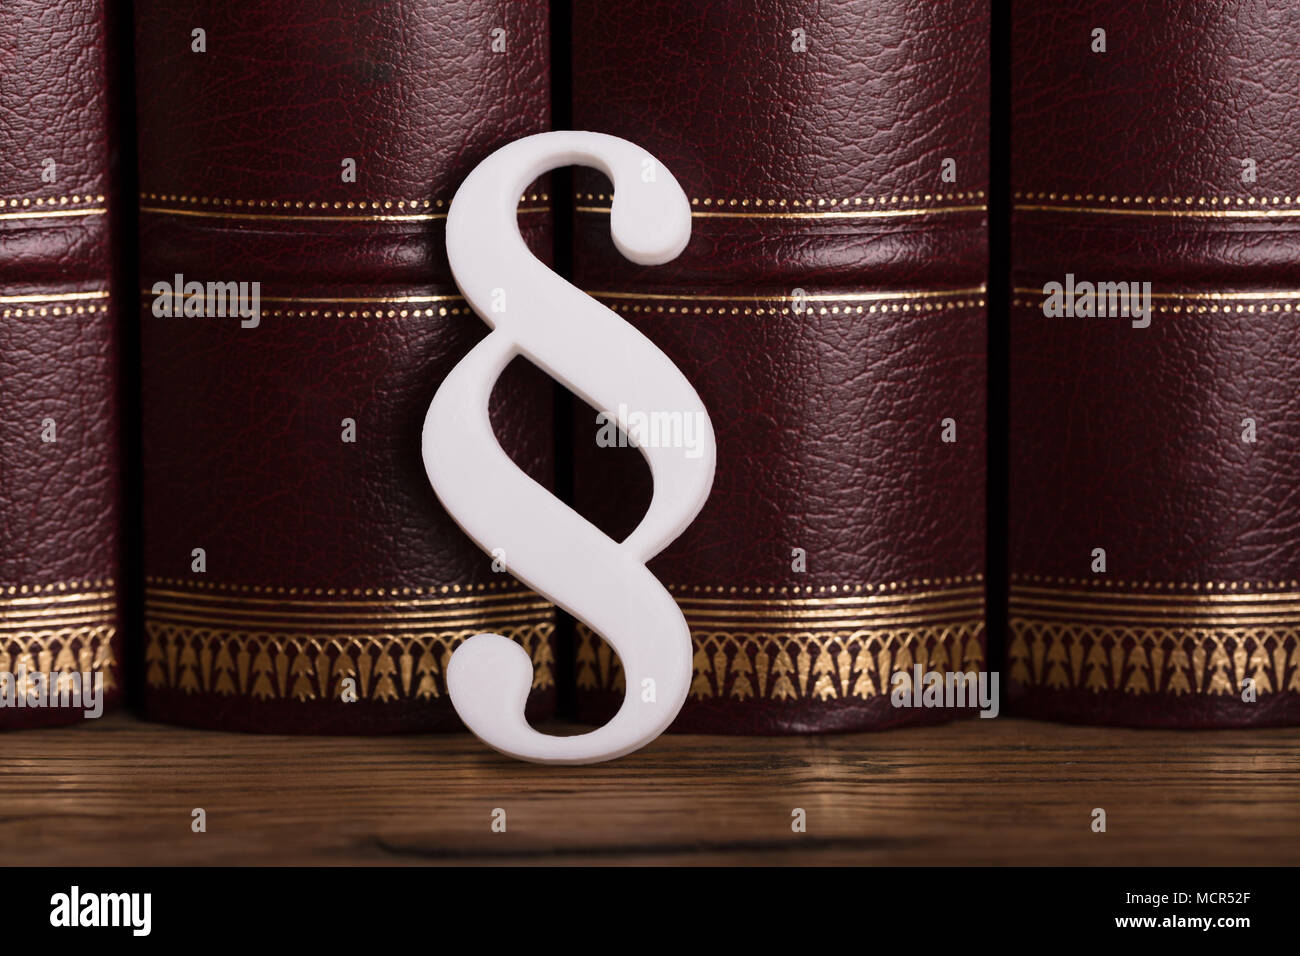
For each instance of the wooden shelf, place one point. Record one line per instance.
(121, 791)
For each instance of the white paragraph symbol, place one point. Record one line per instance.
(579, 342)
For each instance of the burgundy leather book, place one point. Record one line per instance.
(829, 310)
(1155, 472)
(301, 574)
(60, 486)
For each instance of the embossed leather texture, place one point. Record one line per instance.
(829, 310)
(60, 458)
(329, 567)
(1173, 157)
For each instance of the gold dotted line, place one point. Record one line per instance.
(809, 203)
(364, 313)
(41, 201)
(785, 310)
(1157, 585)
(1225, 201)
(52, 310)
(444, 311)
(495, 586)
(1202, 309)
(336, 592)
(381, 313)
(827, 588)
(59, 588)
(363, 204)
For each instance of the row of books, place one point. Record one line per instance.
(223, 511)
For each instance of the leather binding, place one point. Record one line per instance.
(324, 560)
(60, 458)
(830, 311)
(1131, 165)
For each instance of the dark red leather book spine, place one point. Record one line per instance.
(1155, 471)
(830, 311)
(60, 484)
(301, 574)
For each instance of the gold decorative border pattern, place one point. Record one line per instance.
(61, 629)
(61, 588)
(719, 589)
(54, 304)
(770, 590)
(630, 302)
(780, 304)
(146, 295)
(226, 643)
(1169, 642)
(850, 207)
(1020, 578)
(817, 649)
(52, 207)
(355, 210)
(52, 310)
(1193, 207)
(1197, 303)
(281, 590)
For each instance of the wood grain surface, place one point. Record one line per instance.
(120, 791)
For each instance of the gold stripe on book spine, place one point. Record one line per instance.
(43, 207)
(59, 632)
(1170, 644)
(855, 207)
(1203, 207)
(302, 650)
(291, 210)
(829, 650)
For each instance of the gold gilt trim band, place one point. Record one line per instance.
(229, 644)
(57, 629)
(812, 649)
(1273, 301)
(850, 207)
(1154, 643)
(846, 303)
(312, 210)
(386, 307)
(35, 299)
(52, 207)
(1185, 207)
(54, 305)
